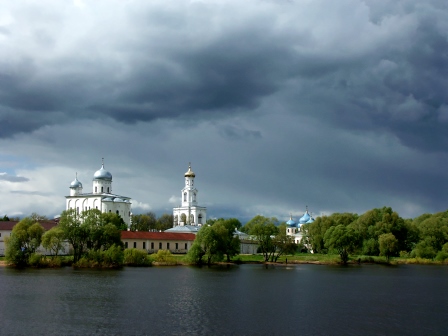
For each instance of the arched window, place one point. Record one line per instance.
(176, 219)
(185, 197)
(191, 218)
(200, 219)
(183, 218)
(96, 189)
(117, 212)
(108, 189)
(102, 189)
(194, 197)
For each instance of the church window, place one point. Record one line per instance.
(107, 189)
(110, 210)
(102, 189)
(167, 246)
(96, 189)
(135, 244)
(77, 209)
(160, 246)
(97, 208)
(200, 219)
(117, 212)
(185, 197)
(183, 218)
(144, 245)
(194, 197)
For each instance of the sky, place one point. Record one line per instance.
(341, 106)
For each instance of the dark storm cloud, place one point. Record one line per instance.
(383, 68)
(11, 178)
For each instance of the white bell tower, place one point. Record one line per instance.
(189, 213)
(189, 192)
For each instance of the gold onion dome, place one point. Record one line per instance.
(189, 173)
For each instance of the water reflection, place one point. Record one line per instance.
(245, 299)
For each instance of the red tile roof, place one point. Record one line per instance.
(8, 225)
(157, 235)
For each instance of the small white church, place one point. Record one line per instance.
(100, 198)
(293, 229)
(189, 216)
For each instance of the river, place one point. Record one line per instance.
(233, 300)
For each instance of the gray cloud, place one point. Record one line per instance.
(341, 105)
(33, 193)
(11, 178)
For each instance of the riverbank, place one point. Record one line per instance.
(313, 259)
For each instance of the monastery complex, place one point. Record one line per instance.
(187, 218)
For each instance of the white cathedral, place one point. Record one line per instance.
(188, 217)
(100, 198)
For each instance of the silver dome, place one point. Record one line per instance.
(76, 183)
(102, 174)
(117, 199)
(107, 199)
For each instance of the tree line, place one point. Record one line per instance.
(379, 232)
(94, 237)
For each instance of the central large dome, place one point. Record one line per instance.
(102, 174)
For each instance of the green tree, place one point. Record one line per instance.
(26, 237)
(225, 231)
(283, 244)
(208, 245)
(264, 229)
(144, 222)
(342, 239)
(387, 244)
(314, 233)
(115, 219)
(74, 232)
(53, 240)
(164, 222)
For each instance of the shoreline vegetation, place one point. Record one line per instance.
(379, 236)
(167, 259)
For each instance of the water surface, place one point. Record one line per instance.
(234, 300)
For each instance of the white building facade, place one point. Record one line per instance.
(189, 213)
(100, 198)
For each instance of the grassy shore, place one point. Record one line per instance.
(304, 258)
(334, 259)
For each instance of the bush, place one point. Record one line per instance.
(134, 257)
(113, 256)
(96, 256)
(441, 256)
(163, 256)
(404, 254)
(84, 263)
(423, 250)
(36, 260)
(54, 262)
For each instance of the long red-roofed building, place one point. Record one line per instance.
(154, 241)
